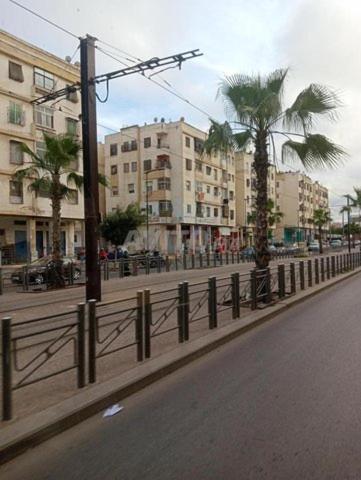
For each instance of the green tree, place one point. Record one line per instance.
(256, 115)
(273, 216)
(53, 175)
(118, 224)
(321, 218)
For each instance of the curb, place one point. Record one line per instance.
(31, 431)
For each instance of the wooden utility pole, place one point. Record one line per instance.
(90, 166)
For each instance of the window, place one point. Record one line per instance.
(208, 211)
(277, 184)
(229, 177)
(165, 208)
(16, 191)
(231, 195)
(189, 208)
(188, 142)
(16, 72)
(16, 114)
(216, 191)
(149, 186)
(150, 209)
(188, 164)
(131, 188)
(113, 169)
(115, 191)
(73, 197)
(147, 142)
(208, 171)
(208, 189)
(44, 116)
(199, 210)
(215, 212)
(164, 184)
(133, 145)
(231, 214)
(198, 145)
(16, 153)
(40, 149)
(215, 174)
(71, 126)
(113, 149)
(233, 178)
(43, 79)
(198, 166)
(125, 147)
(134, 166)
(126, 168)
(188, 185)
(248, 182)
(147, 165)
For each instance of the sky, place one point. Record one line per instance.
(317, 40)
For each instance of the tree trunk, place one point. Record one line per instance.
(57, 278)
(320, 238)
(261, 169)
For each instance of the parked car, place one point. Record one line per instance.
(248, 252)
(38, 271)
(335, 243)
(314, 247)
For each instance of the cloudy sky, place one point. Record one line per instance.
(318, 40)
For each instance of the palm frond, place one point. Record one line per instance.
(28, 172)
(242, 139)
(312, 101)
(316, 151)
(42, 184)
(103, 180)
(220, 138)
(75, 179)
(275, 81)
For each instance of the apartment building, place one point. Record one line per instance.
(189, 196)
(246, 193)
(26, 73)
(297, 197)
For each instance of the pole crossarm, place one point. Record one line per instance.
(142, 67)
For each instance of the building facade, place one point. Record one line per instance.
(189, 196)
(27, 73)
(297, 197)
(246, 193)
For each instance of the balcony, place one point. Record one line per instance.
(166, 213)
(157, 195)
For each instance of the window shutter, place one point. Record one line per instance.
(16, 72)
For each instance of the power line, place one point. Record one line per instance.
(59, 27)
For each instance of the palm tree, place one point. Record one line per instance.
(52, 174)
(356, 202)
(321, 217)
(256, 116)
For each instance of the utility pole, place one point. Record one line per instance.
(90, 166)
(147, 206)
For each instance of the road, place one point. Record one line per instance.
(281, 402)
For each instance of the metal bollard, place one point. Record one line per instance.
(212, 302)
(235, 295)
(317, 272)
(293, 278)
(1, 282)
(186, 311)
(333, 267)
(139, 326)
(328, 268)
(92, 338)
(281, 280)
(147, 323)
(6, 369)
(167, 264)
(81, 362)
(322, 269)
(253, 289)
(184, 262)
(309, 265)
(302, 274)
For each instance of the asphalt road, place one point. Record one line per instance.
(281, 402)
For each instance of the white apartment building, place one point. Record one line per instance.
(27, 73)
(246, 193)
(297, 197)
(190, 196)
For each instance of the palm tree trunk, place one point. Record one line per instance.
(261, 169)
(320, 238)
(57, 278)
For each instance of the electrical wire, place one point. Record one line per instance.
(59, 27)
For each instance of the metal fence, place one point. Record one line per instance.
(147, 323)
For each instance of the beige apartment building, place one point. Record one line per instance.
(297, 197)
(26, 73)
(246, 196)
(190, 196)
